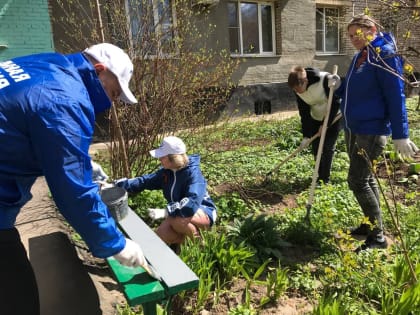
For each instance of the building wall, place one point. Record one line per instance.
(295, 43)
(25, 28)
(75, 24)
(264, 79)
(297, 24)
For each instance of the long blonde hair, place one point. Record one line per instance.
(178, 161)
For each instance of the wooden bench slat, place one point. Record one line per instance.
(137, 285)
(176, 275)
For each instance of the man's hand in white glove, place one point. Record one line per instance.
(405, 147)
(98, 174)
(304, 143)
(131, 255)
(156, 214)
(334, 81)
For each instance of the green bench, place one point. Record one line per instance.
(137, 286)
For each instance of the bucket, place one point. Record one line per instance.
(116, 199)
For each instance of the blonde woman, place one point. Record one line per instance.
(373, 106)
(189, 207)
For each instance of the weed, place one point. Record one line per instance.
(261, 233)
(242, 310)
(277, 283)
(231, 206)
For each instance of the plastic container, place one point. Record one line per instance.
(116, 199)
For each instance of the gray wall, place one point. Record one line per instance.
(264, 78)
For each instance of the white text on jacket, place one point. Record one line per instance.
(14, 71)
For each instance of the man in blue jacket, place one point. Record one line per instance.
(48, 104)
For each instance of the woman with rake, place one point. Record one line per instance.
(312, 87)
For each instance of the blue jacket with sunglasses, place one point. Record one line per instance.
(376, 105)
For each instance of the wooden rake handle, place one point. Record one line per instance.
(320, 148)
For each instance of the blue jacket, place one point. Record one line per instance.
(373, 99)
(47, 115)
(186, 186)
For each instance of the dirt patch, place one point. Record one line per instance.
(64, 263)
(235, 295)
(397, 174)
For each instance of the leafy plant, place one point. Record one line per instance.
(216, 260)
(404, 295)
(242, 310)
(330, 305)
(277, 283)
(261, 233)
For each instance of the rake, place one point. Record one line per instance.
(298, 150)
(291, 155)
(319, 153)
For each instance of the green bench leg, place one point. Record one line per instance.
(149, 308)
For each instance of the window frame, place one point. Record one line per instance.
(324, 52)
(260, 34)
(156, 20)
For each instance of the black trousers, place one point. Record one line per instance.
(328, 150)
(18, 288)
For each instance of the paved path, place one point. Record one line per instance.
(69, 284)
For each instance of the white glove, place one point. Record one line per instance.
(405, 147)
(131, 255)
(156, 214)
(334, 81)
(98, 173)
(304, 143)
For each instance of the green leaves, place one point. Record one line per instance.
(261, 233)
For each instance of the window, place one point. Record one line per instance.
(251, 28)
(151, 24)
(327, 31)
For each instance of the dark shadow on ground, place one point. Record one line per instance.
(270, 190)
(65, 287)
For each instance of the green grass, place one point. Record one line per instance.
(319, 267)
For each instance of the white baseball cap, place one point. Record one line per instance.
(119, 63)
(169, 145)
